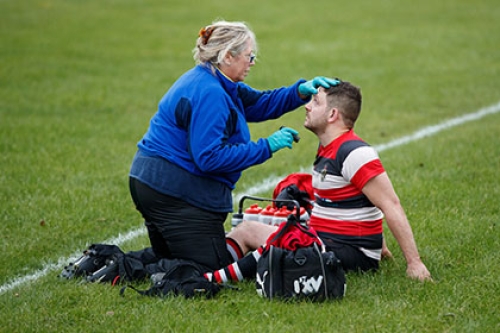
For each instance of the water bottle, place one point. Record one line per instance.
(252, 213)
(236, 219)
(267, 214)
(281, 215)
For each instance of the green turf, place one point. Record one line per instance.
(79, 81)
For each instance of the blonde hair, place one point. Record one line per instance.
(219, 38)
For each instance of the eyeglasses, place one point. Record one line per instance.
(251, 57)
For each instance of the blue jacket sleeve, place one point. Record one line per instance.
(271, 104)
(219, 138)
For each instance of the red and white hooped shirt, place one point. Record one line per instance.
(341, 210)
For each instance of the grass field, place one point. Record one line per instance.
(79, 81)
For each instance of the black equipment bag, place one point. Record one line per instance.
(307, 273)
(294, 266)
(179, 277)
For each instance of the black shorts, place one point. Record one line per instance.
(351, 257)
(177, 229)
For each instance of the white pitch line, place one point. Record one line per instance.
(431, 130)
(61, 262)
(263, 186)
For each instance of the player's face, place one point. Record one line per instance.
(317, 113)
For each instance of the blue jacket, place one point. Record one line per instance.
(198, 142)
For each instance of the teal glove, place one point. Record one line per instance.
(281, 139)
(311, 87)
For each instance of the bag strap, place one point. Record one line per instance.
(275, 269)
(323, 271)
(147, 292)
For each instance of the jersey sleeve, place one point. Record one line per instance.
(361, 165)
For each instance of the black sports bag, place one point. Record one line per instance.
(305, 273)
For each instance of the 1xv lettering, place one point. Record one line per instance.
(307, 285)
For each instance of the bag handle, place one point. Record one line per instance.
(292, 221)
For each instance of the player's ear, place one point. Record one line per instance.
(333, 114)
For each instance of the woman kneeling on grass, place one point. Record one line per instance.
(198, 143)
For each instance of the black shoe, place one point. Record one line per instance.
(83, 266)
(157, 277)
(108, 273)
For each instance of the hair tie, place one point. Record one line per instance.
(205, 34)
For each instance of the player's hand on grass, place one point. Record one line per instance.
(418, 271)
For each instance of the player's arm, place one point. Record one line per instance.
(380, 192)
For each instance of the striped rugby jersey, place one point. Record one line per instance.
(341, 210)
